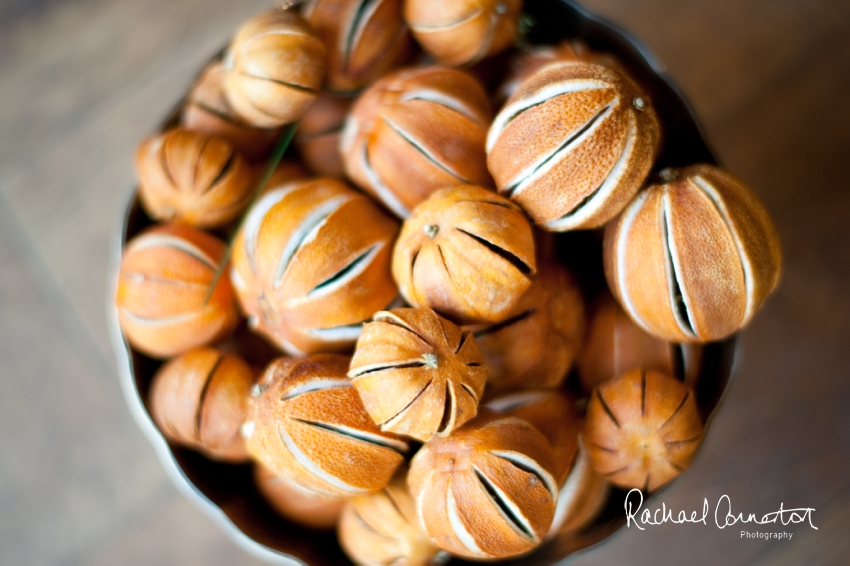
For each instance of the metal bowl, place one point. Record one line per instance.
(227, 492)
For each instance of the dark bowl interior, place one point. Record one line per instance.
(227, 492)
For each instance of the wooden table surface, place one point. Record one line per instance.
(82, 81)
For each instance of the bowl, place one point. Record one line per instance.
(227, 492)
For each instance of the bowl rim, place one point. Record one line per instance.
(730, 350)
(134, 401)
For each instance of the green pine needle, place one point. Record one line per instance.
(277, 154)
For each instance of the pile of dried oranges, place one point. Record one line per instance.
(404, 266)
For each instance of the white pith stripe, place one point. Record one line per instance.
(510, 112)
(443, 27)
(390, 318)
(228, 61)
(677, 268)
(156, 322)
(291, 483)
(421, 148)
(139, 278)
(545, 163)
(364, 20)
(308, 8)
(420, 500)
(368, 437)
(450, 389)
(510, 505)
(615, 341)
(458, 529)
(523, 460)
(388, 425)
(315, 385)
(611, 183)
(156, 144)
(749, 276)
(338, 333)
(311, 467)
(363, 370)
(440, 98)
(487, 41)
(571, 489)
(304, 234)
(362, 265)
(349, 133)
(153, 149)
(290, 31)
(469, 389)
(383, 193)
(237, 280)
(504, 421)
(509, 88)
(167, 241)
(255, 219)
(516, 400)
(288, 347)
(626, 221)
(314, 231)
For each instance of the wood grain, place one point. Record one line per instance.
(82, 81)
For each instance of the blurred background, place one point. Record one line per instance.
(83, 81)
